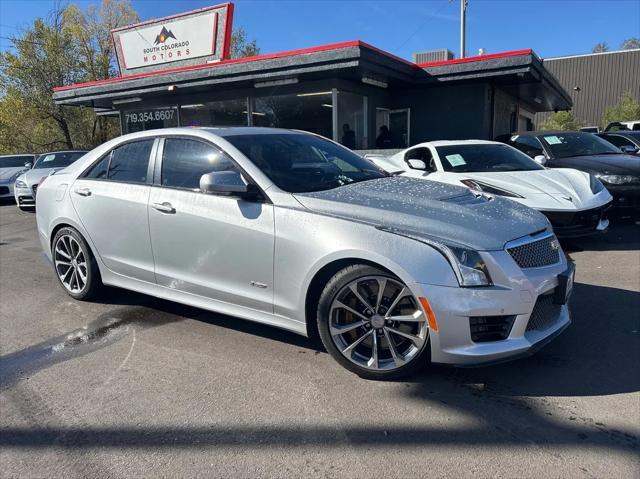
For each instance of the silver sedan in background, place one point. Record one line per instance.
(293, 230)
(26, 185)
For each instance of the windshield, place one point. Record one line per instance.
(565, 145)
(300, 163)
(57, 160)
(484, 158)
(14, 161)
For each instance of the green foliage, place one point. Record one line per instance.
(70, 46)
(561, 120)
(630, 43)
(600, 48)
(627, 109)
(241, 47)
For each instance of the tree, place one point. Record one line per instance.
(70, 46)
(630, 43)
(45, 56)
(600, 48)
(561, 120)
(628, 108)
(241, 47)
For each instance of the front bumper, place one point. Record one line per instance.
(575, 224)
(6, 190)
(24, 197)
(625, 197)
(453, 307)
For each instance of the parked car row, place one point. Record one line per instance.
(26, 184)
(575, 202)
(296, 231)
(618, 171)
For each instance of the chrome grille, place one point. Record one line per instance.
(542, 252)
(544, 313)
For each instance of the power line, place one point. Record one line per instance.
(429, 18)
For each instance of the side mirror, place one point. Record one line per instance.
(227, 183)
(629, 149)
(28, 165)
(417, 164)
(540, 159)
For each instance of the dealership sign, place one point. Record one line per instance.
(190, 38)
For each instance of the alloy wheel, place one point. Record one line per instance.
(71, 264)
(376, 323)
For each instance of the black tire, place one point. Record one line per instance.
(340, 280)
(93, 285)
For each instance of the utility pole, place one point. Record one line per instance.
(463, 24)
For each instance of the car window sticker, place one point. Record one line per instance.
(553, 140)
(455, 160)
(49, 158)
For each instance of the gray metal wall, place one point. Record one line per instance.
(602, 78)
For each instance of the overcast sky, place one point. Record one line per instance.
(550, 27)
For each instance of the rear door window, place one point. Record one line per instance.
(129, 162)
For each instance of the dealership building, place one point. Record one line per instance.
(176, 71)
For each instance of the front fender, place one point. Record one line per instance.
(308, 242)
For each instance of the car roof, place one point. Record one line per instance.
(456, 142)
(631, 133)
(64, 151)
(18, 154)
(547, 132)
(249, 130)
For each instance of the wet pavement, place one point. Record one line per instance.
(136, 386)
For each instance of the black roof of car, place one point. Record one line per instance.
(628, 133)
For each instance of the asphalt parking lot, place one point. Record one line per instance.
(136, 386)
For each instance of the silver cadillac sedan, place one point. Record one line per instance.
(293, 230)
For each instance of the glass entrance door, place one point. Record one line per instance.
(399, 127)
(392, 128)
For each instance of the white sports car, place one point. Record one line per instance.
(574, 201)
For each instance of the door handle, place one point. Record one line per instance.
(163, 207)
(83, 191)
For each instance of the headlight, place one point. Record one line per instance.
(467, 264)
(618, 179)
(595, 184)
(483, 187)
(21, 184)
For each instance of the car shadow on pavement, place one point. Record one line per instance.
(508, 405)
(623, 236)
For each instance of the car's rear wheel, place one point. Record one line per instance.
(74, 264)
(371, 323)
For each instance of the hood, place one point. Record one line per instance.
(8, 173)
(33, 177)
(443, 211)
(607, 164)
(559, 188)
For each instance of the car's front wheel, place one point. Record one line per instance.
(75, 266)
(371, 323)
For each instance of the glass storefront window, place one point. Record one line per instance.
(149, 119)
(351, 120)
(215, 113)
(311, 112)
